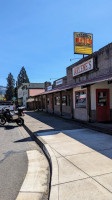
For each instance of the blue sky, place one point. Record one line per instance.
(38, 34)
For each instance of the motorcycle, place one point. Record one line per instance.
(7, 116)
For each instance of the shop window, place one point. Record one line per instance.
(64, 100)
(57, 100)
(102, 98)
(80, 99)
(68, 100)
(47, 101)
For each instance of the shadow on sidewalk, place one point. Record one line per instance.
(56, 122)
(8, 127)
(98, 141)
(28, 139)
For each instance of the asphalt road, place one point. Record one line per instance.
(14, 142)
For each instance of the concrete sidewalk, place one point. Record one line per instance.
(80, 158)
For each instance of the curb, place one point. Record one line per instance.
(90, 125)
(45, 151)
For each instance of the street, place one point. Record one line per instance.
(81, 160)
(14, 143)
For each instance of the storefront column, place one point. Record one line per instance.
(71, 104)
(61, 103)
(42, 103)
(46, 104)
(53, 102)
(89, 103)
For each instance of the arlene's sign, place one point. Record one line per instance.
(84, 67)
(83, 43)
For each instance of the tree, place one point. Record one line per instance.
(22, 77)
(10, 87)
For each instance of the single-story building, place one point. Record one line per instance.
(85, 93)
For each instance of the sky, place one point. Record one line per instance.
(38, 34)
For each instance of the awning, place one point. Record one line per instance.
(83, 83)
(30, 100)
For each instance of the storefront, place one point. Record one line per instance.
(85, 93)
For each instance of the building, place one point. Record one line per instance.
(27, 90)
(85, 93)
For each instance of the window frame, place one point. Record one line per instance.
(86, 99)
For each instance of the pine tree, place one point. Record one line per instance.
(22, 77)
(10, 87)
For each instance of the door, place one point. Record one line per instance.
(102, 105)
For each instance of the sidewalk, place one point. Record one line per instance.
(81, 159)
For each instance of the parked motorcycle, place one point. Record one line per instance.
(7, 116)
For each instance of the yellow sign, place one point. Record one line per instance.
(5, 99)
(83, 43)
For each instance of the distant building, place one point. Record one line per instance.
(27, 90)
(2, 92)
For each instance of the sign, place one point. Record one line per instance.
(13, 98)
(49, 88)
(59, 82)
(82, 96)
(25, 92)
(84, 67)
(83, 43)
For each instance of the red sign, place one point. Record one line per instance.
(84, 67)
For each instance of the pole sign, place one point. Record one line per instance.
(83, 43)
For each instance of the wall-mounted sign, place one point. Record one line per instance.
(25, 92)
(83, 43)
(49, 88)
(59, 82)
(84, 67)
(20, 93)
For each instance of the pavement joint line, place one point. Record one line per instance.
(72, 154)
(86, 173)
(71, 181)
(79, 153)
(102, 174)
(31, 192)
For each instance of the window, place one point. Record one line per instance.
(69, 100)
(47, 101)
(80, 99)
(57, 100)
(64, 100)
(102, 98)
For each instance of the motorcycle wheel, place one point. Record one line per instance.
(20, 121)
(2, 121)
